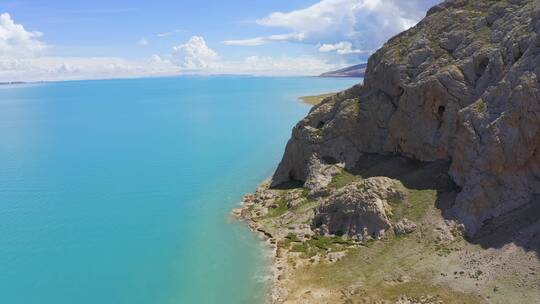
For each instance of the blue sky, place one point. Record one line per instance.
(60, 39)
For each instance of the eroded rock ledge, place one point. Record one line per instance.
(462, 86)
(360, 210)
(377, 235)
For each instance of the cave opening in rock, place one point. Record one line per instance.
(440, 111)
(320, 125)
(292, 176)
(482, 66)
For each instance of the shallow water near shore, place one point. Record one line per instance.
(118, 191)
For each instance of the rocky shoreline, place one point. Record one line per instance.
(397, 245)
(277, 268)
(421, 185)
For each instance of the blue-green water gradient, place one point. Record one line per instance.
(118, 191)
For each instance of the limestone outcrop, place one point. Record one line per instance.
(360, 210)
(404, 226)
(461, 86)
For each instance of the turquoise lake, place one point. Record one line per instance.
(119, 191)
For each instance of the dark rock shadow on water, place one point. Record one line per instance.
(521, 227)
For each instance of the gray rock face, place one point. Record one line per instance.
(359, 210)
(320, 176)
(404, 227)
(464, 86)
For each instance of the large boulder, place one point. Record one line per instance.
(360, 210)
(461, 86)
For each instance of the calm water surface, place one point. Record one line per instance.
(119, 191)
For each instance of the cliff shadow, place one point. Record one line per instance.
(292, 184)
(412, 173)
(520, 227)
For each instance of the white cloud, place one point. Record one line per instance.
(366, 22)
(156, 59)
(341, 48)
(143, 42)
(71, 68)
(194, 54)
(265, 39)
(21, 59)
(282, 66)
(193, 57)
(75, 68)
(15, 40)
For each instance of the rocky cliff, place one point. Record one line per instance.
(462, 86)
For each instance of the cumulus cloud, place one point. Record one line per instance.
(156, 59)
(194, 54)
(265, 39)
(73, 68)
(15, 40)
(193, 57)
(368, 23)
(283, 66)
(341, 48)
(21, 59)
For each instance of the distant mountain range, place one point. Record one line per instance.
(11, 82)
(352, 71)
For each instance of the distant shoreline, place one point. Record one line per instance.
(355, 71)
(12, 82)
(340, 76)
(315, 99)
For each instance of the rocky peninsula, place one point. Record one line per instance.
(421, 185)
